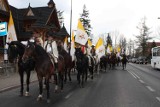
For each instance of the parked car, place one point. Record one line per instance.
(134, 60)
(142, 60)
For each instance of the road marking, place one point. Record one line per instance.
(142, 81)
(132, 74)
(67, 96)
(136, 75)
(158, 98)
(150, 88)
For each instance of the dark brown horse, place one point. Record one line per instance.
(15, 51)
(43, 66)
(69, 64)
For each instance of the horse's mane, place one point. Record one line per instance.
(40, 50)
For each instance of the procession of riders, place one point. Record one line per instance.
(109, 60)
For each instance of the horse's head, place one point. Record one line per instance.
(29, 51)
(12, 52)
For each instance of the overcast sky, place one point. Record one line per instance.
(106, 15)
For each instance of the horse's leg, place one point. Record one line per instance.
(47, 87)
(65, 75)
(61, 80)
(78, 77)
(27, 82)
(40, 79)
(69, 74)
(21, 73)
(82, 81)
(56, 82)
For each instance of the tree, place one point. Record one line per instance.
(122, 43)
(143, 37)
(84, 17)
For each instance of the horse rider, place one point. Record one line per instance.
(36, 38)
(50, 46)
(93, 51)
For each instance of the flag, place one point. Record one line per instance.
(72, 51)
(11, 35)
(81, 35)
(100, 48)
(65, 43)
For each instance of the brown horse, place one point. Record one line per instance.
(69, 64)
(43, 66)
(15, 51)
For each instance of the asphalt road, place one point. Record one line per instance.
(137, 86)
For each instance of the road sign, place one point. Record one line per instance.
(3, 28)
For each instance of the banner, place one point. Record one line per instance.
(3, 28)
(81, 35)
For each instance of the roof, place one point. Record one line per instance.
(44, 17)
(63, 32)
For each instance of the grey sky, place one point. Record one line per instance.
(106, 15)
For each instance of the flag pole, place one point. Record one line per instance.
(71, 21)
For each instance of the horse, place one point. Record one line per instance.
(16, 51)
(43, 66)
(103, 62)
(81, 66)
(69, 64)
(91, 65)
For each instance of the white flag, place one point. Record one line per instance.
(100, 48)
(11, 35)
(81, 35)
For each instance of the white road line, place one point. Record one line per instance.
(68, 95)
(142, 81)
(150, 88)
(132, 74)
(158, 98)
(136, 75)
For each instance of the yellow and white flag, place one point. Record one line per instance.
(11, 35)
(100, 48)
(81, 35)
(72, 51)
(65, 44)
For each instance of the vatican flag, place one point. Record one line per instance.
(100, 48)
(72, 51)
(81, 35)
(11, 35)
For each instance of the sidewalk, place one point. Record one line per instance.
(11, 80)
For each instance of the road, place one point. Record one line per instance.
(137, 86)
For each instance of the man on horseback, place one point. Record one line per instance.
(50, 46)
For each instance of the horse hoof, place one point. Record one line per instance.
(27, 94)
(39, 98)
(48, 100)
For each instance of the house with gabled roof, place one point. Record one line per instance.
(29, 20)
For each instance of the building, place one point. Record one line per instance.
(31, 21)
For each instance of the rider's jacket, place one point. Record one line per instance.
(51, 47)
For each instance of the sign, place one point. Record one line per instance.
(3, 28)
